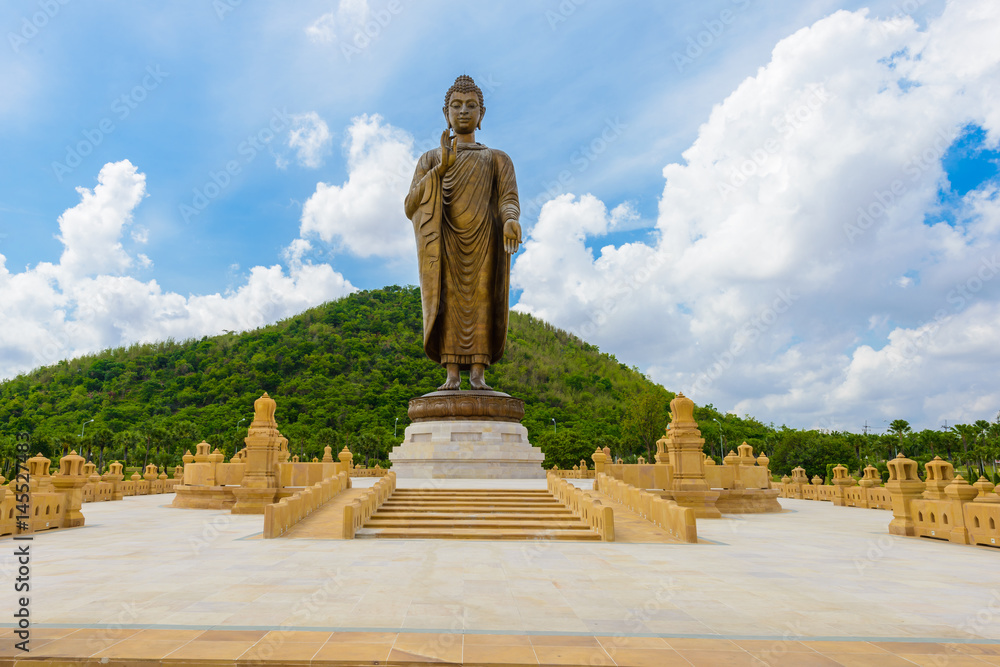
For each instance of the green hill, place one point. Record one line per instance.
(342, 373)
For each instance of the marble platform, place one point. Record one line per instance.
(467, 449)
(466, 435)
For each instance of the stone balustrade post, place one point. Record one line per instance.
(959, 492)
(904, 487)
(686, 456)
(70, 482)
(264, 445)
(841, 480)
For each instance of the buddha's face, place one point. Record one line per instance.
(463, 112)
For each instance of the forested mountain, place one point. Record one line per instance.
(342, 373)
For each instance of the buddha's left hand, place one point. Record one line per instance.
(511, 236)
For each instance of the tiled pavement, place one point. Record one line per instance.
(814, 585)
(243, 647)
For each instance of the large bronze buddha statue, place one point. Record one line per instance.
(464, 208)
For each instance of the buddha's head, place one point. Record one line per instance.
(463, 106)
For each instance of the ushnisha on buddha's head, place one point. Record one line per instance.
(463, 106)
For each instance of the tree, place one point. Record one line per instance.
(564, 448)
(811, 450)
(645, 421)
(967, 433)
(899, 427)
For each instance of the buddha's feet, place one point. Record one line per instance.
(477, 378)
(454, 380)
(450, 385)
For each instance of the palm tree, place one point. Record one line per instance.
(899, 427)
(968, 434)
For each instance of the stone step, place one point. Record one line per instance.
(477, 533)
(484, 523)
(487, 514)
(471, 502)
(482, 492)
(419, 514)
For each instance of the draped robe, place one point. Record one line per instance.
(464, 271)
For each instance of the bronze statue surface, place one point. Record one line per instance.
(464, 208)
(466, 405)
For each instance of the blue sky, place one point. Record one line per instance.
(319, 108)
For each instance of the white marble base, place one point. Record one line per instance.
(467, 449)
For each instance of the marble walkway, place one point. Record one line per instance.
(815, 584)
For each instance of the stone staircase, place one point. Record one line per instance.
(489, 514)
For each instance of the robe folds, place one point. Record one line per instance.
(458, 220)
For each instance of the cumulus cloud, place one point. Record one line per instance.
(91, 231)
(801, 251)
(365, 214)
(88, 302)
(349, 15)
(311, 139)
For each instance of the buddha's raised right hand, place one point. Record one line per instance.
(449, 150)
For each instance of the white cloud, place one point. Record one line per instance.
(775, 284)
(322, 29)
(350, 15)
(87, 302)
(311, 138)
(365, 214)
(91, 231)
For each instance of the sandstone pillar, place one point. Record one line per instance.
(904, 486)
(346, 460)
(958, 493)
(70, 481)
(264, 446)
(985, 488)
(114, 476)
(940, 474)
(870, 480)
(600, 460)
(687, 458)
(841, 480)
